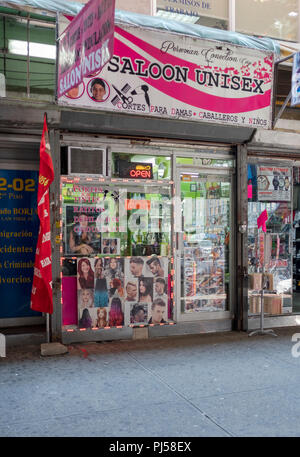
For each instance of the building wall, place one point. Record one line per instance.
(140, 6)
(135, 6)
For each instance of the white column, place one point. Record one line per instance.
(231, 24)
(154, 7)
(298, 23)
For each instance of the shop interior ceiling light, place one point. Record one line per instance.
(35, 49)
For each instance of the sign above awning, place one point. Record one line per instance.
(161, 74)
(217, 9)
(141, 20)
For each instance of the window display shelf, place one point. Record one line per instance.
(273, 303)
(257, 293)
(205, 297)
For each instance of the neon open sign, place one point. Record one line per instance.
(140, 173)
(135, 170)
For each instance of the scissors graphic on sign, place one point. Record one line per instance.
(126, 100)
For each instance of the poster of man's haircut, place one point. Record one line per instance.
(138, 313)
(146, 280)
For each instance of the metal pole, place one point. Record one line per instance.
(288, 98)
(240, 282)
(48, 328)
(282, 108)
(28, 57)
(262, 307)
(57, 54)
(262, 331)
(5, 47)
(291, 56)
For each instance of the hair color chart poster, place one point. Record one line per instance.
(119, 291)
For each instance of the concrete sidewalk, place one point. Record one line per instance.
(200, 385)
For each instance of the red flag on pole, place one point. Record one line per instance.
(262, 219)
(41, 293)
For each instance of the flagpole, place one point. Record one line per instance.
(262, 301)
(47, 328)
(41, 293)
(47, 314)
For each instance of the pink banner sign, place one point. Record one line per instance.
(86, 45)
(158, 73)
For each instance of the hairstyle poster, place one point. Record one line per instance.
(110, 246)
(146, 290)
(204, 280)
(100, 287)
(113, 292)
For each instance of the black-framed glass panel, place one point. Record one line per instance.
(296, 239)
(141, 166)
(119, 235)
(204, 258)
(270, 238)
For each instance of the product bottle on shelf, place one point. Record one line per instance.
(130, 243)
(138, 246)
(164, 247)
(157, 244)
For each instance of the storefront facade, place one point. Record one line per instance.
(150, 207)
(158, 238)
(189, 172)
(209, 180)
(273, 177)
(150, 217)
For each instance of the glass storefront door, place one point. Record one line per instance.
(203, 244)
(296, 239)
(270, 253)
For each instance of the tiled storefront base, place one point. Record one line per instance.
(273, 322)
(125, 333)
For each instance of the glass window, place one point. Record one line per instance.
(205, 240)
(296, 239)
(211, 13)
(27, 61)
(117, 250)
(269, 251)
(273, 18)
(207, 162)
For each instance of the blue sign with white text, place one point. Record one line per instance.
(19, 224)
